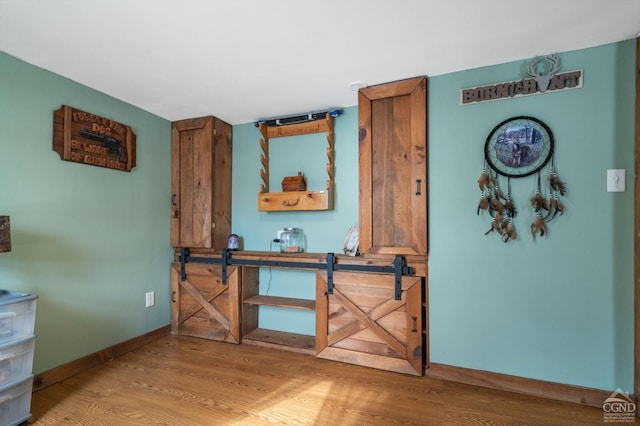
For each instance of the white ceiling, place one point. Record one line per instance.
(243, 60)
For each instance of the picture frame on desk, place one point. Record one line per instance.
(352, 241)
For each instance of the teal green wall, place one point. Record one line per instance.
(89, 241)
(557, 309)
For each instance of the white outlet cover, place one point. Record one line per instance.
(150, 299)
(616, 180)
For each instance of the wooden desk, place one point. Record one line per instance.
(359, 318)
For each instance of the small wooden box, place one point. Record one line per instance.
(294, 183)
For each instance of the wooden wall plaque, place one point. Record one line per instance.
(87, 138)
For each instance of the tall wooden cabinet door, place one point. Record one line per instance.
(202, 306)
(392, 122)
(362, 323)
(200, 183)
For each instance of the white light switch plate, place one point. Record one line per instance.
(616, 180)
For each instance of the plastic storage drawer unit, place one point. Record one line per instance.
(15, 401)
(17, 315)
(16, 359)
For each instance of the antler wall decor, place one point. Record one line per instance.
(543, 80)
(519, 147)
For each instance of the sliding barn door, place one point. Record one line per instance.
(202, 306)
(362, 323)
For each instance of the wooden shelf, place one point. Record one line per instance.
(297, 129)
(282, 302)
(293, 342)
(295, 200)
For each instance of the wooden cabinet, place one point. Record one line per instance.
(361, 322)
(202, 305)
(201, 183)
(392, 121)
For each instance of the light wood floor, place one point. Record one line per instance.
(186, 381)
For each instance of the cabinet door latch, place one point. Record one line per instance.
(398, 264)
(184, 253)
(223, 264)
(331, 260)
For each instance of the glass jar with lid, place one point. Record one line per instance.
(292, 241)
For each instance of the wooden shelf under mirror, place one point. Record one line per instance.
(296, 200)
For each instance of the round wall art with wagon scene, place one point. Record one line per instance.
(518, 147)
